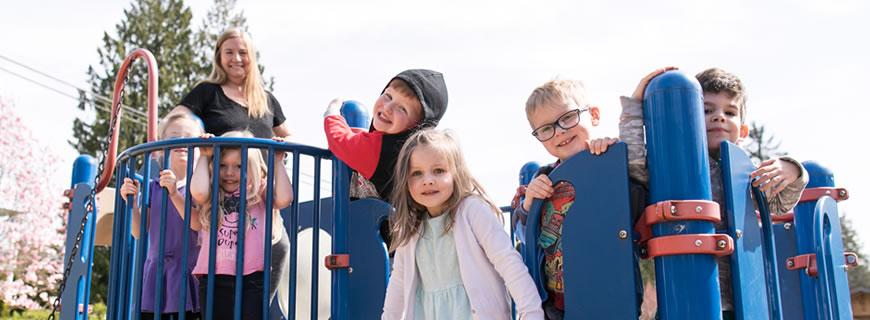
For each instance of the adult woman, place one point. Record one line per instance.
(234, 98)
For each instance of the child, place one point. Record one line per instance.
(175, 125)
(562, 120)
(453, 259)
(412, 100)
(782, 179)
(228, 224)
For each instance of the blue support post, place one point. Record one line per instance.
(820, 177)
(77, 296)
(687, 285)
(357, 117)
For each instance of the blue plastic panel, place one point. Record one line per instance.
(789, 281)
(369, 260)
(747, 262)
(833, 282)
(599, 268)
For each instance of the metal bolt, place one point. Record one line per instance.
(850, 259)
(842, 193)
(349, 270)
(828, 192)
(673, 209)
(721, 244)
(739, 233)
(698, 243)
(623, 234)
(790, 263)
(786, 226)
(698, 209)
(679, 228)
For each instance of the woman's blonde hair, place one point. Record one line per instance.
(256, 176)
(255, 92)
(405, 222)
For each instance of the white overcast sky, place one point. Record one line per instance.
(804, 62)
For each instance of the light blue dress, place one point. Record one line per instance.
(440, 293)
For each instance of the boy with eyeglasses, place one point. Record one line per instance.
(562, 120)
(781, 179)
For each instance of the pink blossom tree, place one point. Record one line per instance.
(32, 223)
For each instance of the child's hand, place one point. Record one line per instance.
(599, 146)
(130, 187)
(540, 188)
(334, 107)
(774, 175)
(203, 150)
(279, 155)
(168, 181)
(641, 87)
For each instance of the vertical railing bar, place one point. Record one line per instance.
(185, 240)
(115, 257)
(161, 241)
(241, 226)
(267, 239)
(315, 243)
(212, 236)
(293, 231)
(141, 243)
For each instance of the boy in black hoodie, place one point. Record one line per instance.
(412, 100)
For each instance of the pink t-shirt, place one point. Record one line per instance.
(227, 243)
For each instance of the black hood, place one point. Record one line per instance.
(430, 89)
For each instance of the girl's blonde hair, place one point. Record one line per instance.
(256, 174)
(255, 92)
(406, 221)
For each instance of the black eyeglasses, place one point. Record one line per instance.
(566, 121)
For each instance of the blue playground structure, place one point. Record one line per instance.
(782, 267)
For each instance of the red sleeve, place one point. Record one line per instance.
(359, 149)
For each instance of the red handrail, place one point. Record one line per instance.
(111, 153)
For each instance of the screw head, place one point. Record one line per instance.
(842, 193)
(623, 234)
(739, 233)
(721, 244)
(790, 263)
(787, 226)
(698, 209)
(698, 243)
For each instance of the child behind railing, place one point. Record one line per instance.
(175, 125)
(229, 200)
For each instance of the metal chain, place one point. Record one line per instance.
(89, 206)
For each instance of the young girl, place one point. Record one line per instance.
(228, 224)
(453, 258)
(175, 125)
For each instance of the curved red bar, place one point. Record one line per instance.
(112, 152)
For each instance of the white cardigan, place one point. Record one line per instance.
(487, 262)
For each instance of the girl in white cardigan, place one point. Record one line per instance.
(453, 259)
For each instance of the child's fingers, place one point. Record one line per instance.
(768, 177)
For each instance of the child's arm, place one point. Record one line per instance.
(359, 149)
(782, 180)
(131, 187)
(496, 244)
(631, 129)
(283, 189)
(199, 186)
(394, 300)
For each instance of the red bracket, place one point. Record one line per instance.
(813, 194)
(676, 210)
(715, 244)
(804, 261)
(808, 262)
(335, 261)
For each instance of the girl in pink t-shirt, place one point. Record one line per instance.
(227, 224)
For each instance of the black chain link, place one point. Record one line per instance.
(89, 206)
